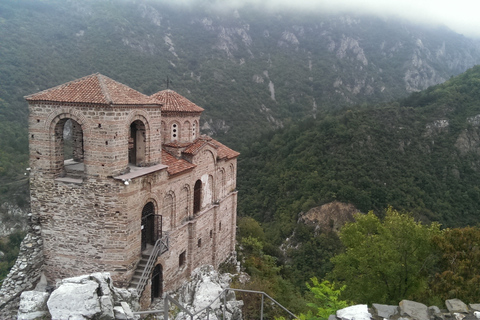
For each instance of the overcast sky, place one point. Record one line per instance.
(462, 16)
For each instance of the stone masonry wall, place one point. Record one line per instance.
(94, 223)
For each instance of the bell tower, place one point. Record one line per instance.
(88, 138)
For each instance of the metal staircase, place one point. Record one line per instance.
(146, 264)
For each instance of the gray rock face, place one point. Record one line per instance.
(203, 288)
(33, 305)
(85, 297)
(414, 310)
(456, 305)
(385, 311)
(78, 300)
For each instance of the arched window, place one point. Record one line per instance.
(221, 183)
(197, 197)
(169, 209)
(137, 143)
(185, 209)
(186, 131)
(69, 153)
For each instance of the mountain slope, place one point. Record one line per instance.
(248, 67)
(421, 155)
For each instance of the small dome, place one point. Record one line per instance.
(173, 102)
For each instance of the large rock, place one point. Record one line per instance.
(33, 305)
(85, 297)
(357, 312)
(75, 300)
(456, 305)
(414, 310)
(385, 311)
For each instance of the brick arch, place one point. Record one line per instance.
(209, 153)
(195, 129)
(52, 123)
(221, 183)
(231, 177)
(185, 203)
(55, 116)
(143, 117)
(186, 134)
(164, 130)
(169, 209)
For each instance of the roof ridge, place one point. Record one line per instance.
(103, 87)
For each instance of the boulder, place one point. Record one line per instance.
(456, 305)
(357, 312)
(33, 305)
(413, 309)
(435, 313)
(475, 306)
(385, 311)
(75, 300)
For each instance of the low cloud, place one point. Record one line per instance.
(460, 16)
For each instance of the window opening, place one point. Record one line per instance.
(137, 144)
(197, 195)
(174, 131)
(181, 259)
(199, 243)
(220, 226)
(69, 148)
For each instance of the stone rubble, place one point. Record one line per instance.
(410, 310)
(85, 297)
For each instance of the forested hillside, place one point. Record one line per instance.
(252, 69)
(420, 154)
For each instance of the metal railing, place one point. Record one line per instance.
(208, 308)
(161, 246)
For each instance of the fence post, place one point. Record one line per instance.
(165, 308)
(224, 302)
(261, 310)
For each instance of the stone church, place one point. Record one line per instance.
(123, 182)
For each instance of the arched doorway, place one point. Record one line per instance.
(148, 225)
(137, 143)
(197, 196)
(157, 282)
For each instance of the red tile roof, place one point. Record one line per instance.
(175, 165)
(223, 152)
(95, 88)
(173, 102)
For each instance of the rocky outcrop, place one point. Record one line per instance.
(12, 218)
(330, 216)
(26, 272)
(202, 290)
(410, 310)
(85, 297)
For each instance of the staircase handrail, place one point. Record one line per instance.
(167, 298)
(161, 246)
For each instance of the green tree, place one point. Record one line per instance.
(459, 264)
(390, 257)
